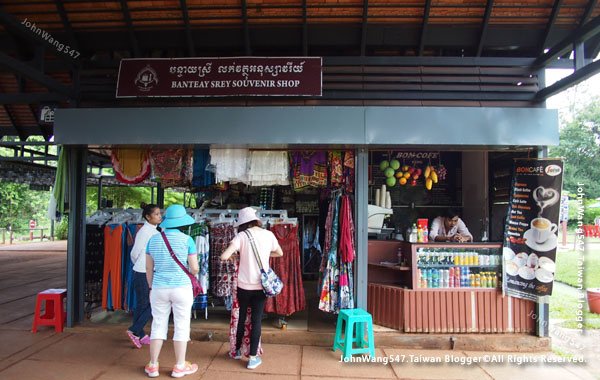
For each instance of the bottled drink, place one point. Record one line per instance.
(419, 234)
(495, 280)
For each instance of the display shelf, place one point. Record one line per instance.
(446, 266)
(392, 267)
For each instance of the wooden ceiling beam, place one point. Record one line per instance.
(363, 39)
(550, 25)
(304, 28)
(424, 27)
(29, 72)
(188, 29)
(17, 27)
(67, 25)
(484, 27)
(132, 38)
(247, 48)
(578, 76)
(581, 34)
(588, 12)
(14, 124)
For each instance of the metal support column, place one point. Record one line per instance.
(100, 192)
(77, 165)
(542, 309)
(579, 56)
(362, 214)
(160, 196)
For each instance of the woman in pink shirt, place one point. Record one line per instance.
(249, 290)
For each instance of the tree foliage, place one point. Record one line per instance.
(19, 204)
(580, 146)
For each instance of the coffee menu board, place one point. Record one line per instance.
(530, 233)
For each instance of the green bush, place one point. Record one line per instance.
(61, 230)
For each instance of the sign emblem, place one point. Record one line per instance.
(146, 79)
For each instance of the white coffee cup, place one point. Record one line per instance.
(542, 228)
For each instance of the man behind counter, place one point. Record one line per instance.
(449, 227)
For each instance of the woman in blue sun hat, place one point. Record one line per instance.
(171, 289)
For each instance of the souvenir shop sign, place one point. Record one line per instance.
(530, 233)
(238, 76)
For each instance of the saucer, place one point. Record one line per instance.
(549, 244)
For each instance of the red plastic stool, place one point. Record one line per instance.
(54, 314)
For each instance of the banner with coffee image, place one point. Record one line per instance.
(531, 229)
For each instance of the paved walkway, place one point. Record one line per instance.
(105, 353)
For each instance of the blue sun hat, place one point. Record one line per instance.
(176, 216)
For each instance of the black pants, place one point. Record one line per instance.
(256, 299)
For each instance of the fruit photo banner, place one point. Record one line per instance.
(420, 178)
(530, 232)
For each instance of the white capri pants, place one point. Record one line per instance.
(180, 300)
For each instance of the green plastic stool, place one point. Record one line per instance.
(354, 319)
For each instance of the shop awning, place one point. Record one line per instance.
(313, 126)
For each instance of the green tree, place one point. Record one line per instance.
(579, 145)
(19, 204)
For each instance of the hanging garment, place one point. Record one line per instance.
(172, 167)
(330, 285)
(231, 164)
(202, 177)
(348, 179)
(130, 165)
(127, 267)
(113, 253)
(291, 299)
(199, 232)
(269, 168)
(336, 169)
(221, 272)
(346, 255)
(94, 262)
(308, 169)
(56, 207)
(235, 316)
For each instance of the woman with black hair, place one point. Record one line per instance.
(249, 287)
(449, 227)
(141, 315)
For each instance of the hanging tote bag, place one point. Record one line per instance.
(196, 287)
(271, 284)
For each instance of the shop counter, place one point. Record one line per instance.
(400, 297)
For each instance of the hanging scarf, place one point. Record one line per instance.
(329, 292)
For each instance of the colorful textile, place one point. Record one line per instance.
(330, 285)
(336, 169)
(233, 323)
(222, 273)
(130, 165)
(349, 170)
(269, 168)
(172, 167)
(303, 176)
(202, 177)
(288, 268)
